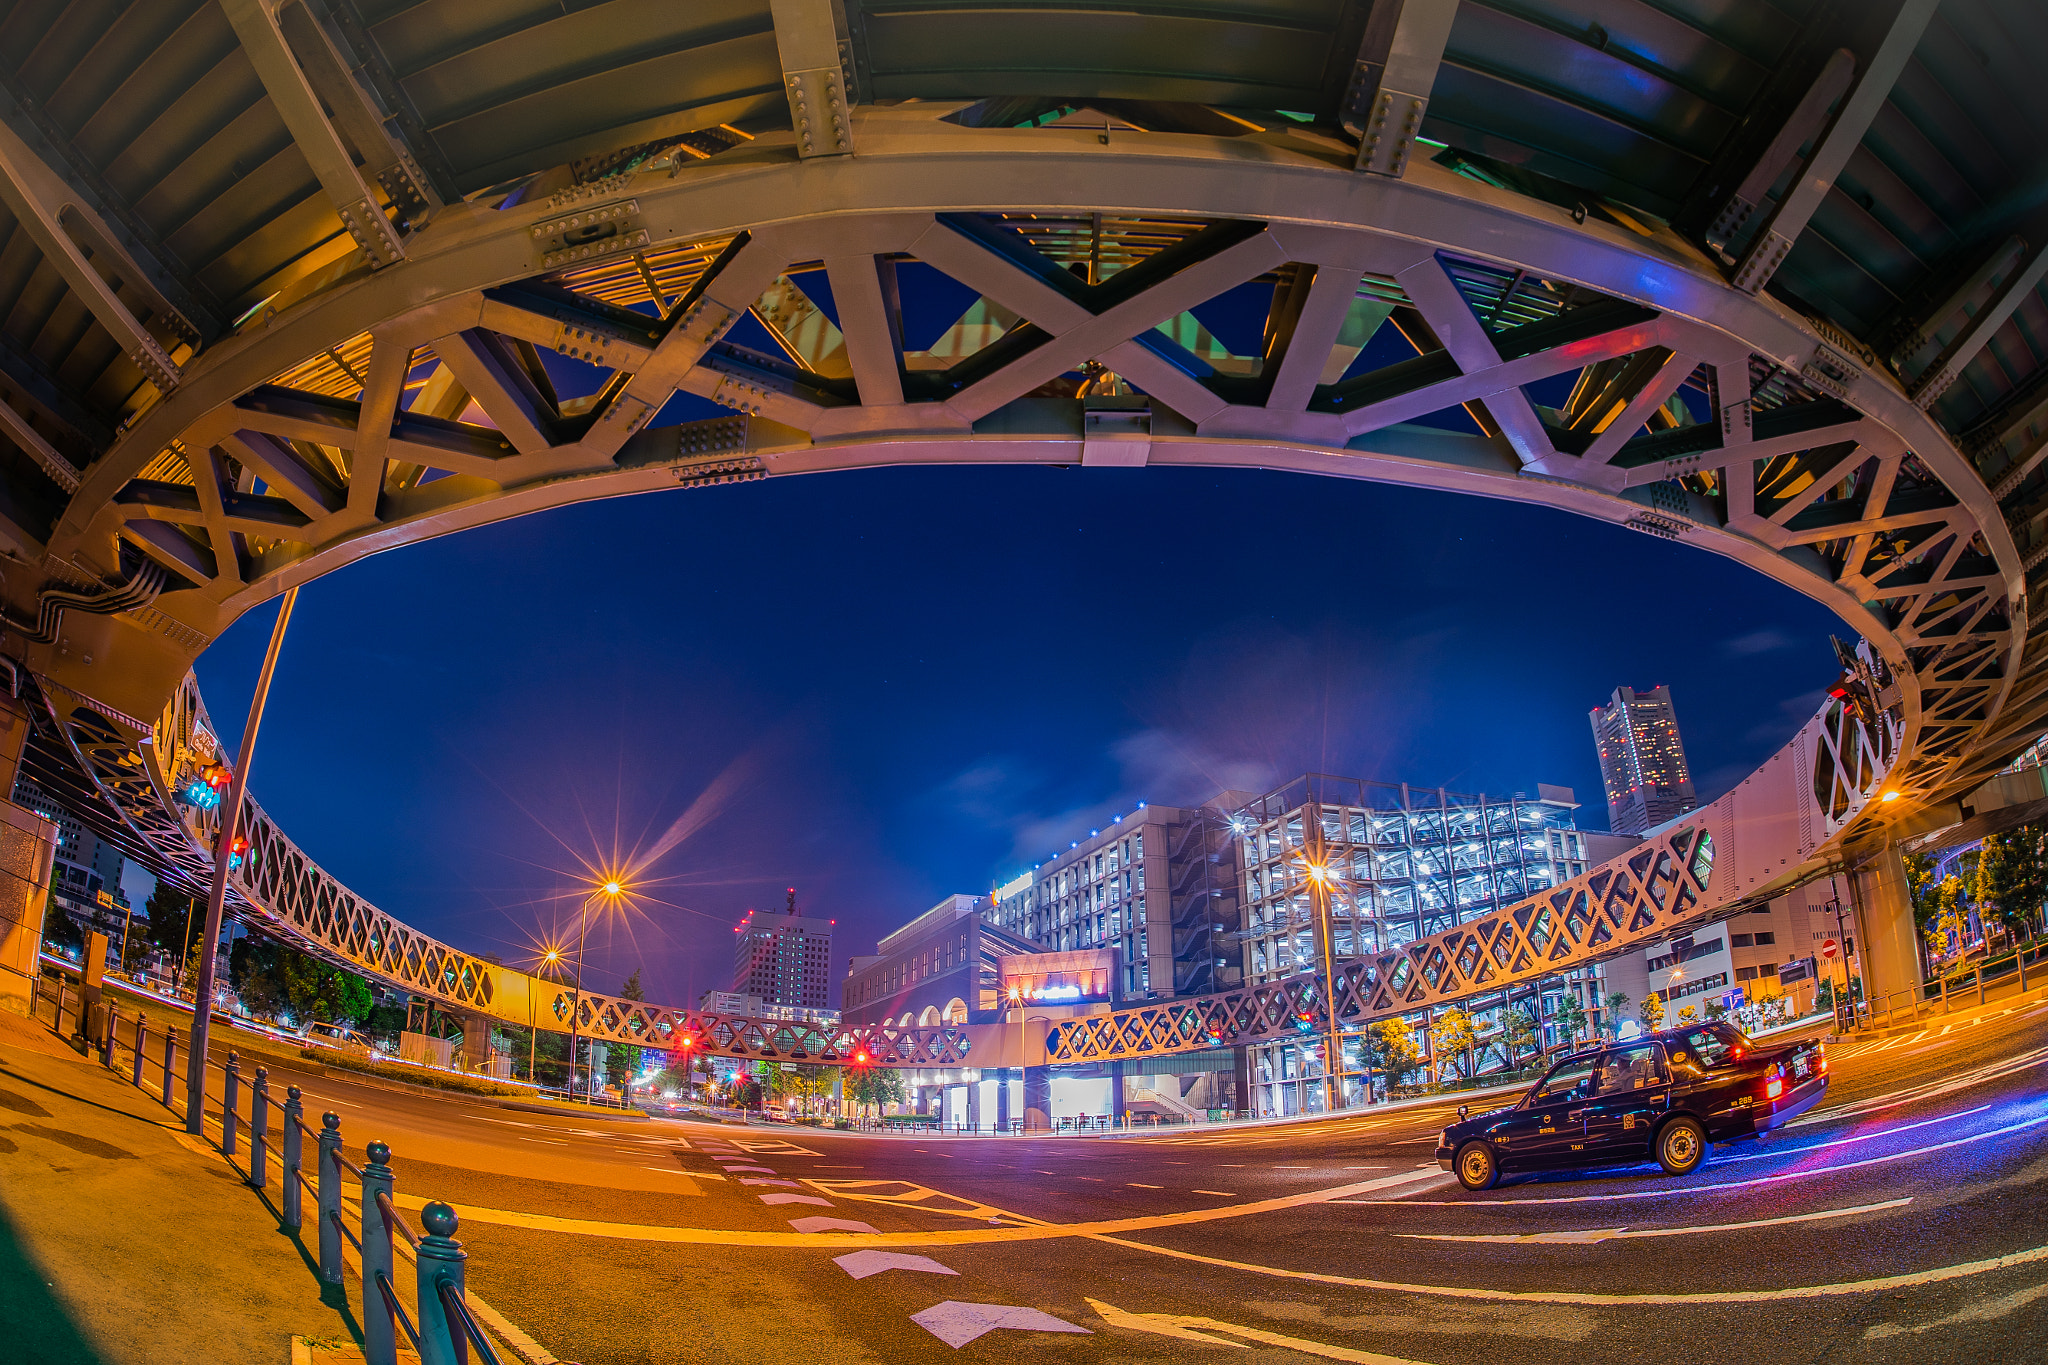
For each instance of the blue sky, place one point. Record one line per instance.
(905, 683)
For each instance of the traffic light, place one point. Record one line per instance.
(199, 795)
(236, 848)
(1305, 1022)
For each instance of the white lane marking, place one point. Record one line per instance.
(1912, 1280)
(694, 1175)
(796, 1199)
(764, 1170)
(1591, 1236)
(1708, 1189)
(1183, 1327)
(819, 1223)
(1136, 1186)
(1854, 1137)
(1220, 1194)
(1896, 1099)
(763, 1180)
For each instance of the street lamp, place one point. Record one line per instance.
(1320, 879)
(611, 890)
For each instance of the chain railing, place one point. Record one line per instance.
(446, 1328)
(1939, 996)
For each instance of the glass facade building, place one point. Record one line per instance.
(1402, 863)
(1642, 760)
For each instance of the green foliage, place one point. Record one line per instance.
(745, 1092)
(1520, 1030)
(1451, 1036)
(1617, 1006)
(1391, 1050)
(632, 990)
(175, 919)
(2012, 877)
(874, 1086)
(1653, 1012)
(1571, 1018)
(271, 978)
(1920, 886)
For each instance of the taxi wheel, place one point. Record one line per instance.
(1476, 1167)
(1681, 1146)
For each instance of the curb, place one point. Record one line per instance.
(613, 1115)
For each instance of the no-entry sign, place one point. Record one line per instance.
(1828, 949)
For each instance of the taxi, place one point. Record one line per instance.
(1663, 1096)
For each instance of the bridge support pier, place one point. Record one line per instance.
(476, 1042)
(1889, 950)
(28, 844)
(1037, 1098)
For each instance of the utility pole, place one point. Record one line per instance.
(230, 824)
(1319, 879)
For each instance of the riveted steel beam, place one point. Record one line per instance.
(41, 199)
(1392, 78)
(811, 39)
(2019, 284)
(256, 25)
(369, 128)
(1852, 120)
(62, 472)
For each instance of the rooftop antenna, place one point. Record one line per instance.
(792, 901)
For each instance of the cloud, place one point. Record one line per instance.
(1759, 642)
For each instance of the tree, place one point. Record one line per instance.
(1571, 1018)
(1452, 1036)
(874, 1086)
(1390, 1049)
(1617, 1001)
(745, 1092)
(1653, 1012)
(2011, 877)
(175, 919)
(1519, 1030)
(632, 990)
(1687, 1015)
(1921, 886)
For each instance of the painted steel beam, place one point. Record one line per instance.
(40, 199)
(291, 93)
(1392, 78)
(2018, 286)
(385, 155)
(1803, 124)
(811, 38)
(92, 206)
(1999, 261)
(61, 471)
(40, 390)
(1852, 120)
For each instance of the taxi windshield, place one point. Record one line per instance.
(1716, 1043)
(1572, 1074)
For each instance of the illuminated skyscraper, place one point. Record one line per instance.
(1642, 760)
(783, 959)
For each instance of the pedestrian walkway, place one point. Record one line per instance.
(1934, 1029)
(123, 1239)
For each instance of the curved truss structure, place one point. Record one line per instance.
(1449, 322)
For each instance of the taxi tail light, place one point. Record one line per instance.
(1775, 1086)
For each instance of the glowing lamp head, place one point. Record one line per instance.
(1889, 796)
(613, 888)
(554, 955)
(1317, 872)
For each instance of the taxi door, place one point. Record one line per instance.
(1549, 1129)
(1631, 1091)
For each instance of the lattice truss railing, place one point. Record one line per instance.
(283, 892)
(1646, 895)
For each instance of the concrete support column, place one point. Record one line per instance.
(1116, 1090)
(1037, 1098)
(28, 844)
(1003, 1100)
(1888, 948)
(974, 1105)
(476, 1042)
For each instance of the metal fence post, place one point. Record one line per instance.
(380, 1340)
(293, 1133)
(141, 1036)
(330, 1198)
(1980, 983)
(2020, 957)
(170, 1054)
(259, 1128)
(231, 1095)
(440, 1258)
(57, 1024)
(113, 1016)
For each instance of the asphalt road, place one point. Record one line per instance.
(1903, 1219)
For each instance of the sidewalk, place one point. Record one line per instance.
(123, 1239)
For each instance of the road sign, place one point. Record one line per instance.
(1828, 949)
(1798, 969)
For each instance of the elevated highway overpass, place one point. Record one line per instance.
(279, 281)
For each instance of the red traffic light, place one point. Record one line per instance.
(860, 1058)
(238, 845)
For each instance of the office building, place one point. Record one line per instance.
(85, 876)
(1642, 760)
(783, 959)
(1405, 862)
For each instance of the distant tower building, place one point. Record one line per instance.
(1642, 760)
(783, 959)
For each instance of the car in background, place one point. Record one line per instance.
(1663, 1096)
(337, 1036)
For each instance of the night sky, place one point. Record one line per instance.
(899, 684)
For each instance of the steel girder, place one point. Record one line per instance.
(286, 452)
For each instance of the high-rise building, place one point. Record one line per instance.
(783, 959)
(1642, 760)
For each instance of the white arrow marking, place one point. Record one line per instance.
(1589, 1236)
(821, 1224)
(957, 1323)
(796, 1199)
(861, 1264)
